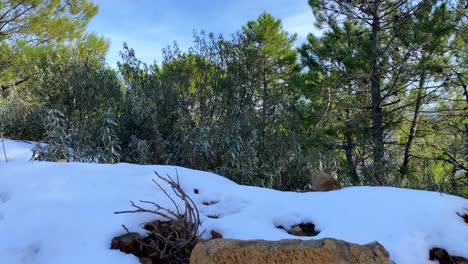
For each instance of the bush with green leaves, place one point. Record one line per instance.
(20, 119)
(138, 151)
(242, 107)
(57, 145)
(109, 145)
(203, 109)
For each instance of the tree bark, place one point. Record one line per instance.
(377, 117)
(348, 147)
(350, 163)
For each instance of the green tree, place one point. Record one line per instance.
(390, 56)
(40, 21)
(429, 67)
(335, 85)
(27, 25)
(203, 109)
(277, 59)
(149, 112)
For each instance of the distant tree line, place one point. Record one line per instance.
(380, 98)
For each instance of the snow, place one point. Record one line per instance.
(55, 213)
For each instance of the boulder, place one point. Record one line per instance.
(324, 182)
(323, 251)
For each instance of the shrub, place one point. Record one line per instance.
(57, 139)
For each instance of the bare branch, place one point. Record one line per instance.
(176, 234)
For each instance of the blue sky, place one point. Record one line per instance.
(150, 25)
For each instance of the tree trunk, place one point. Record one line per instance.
(414, 126)
(377, 117)
(349, 146)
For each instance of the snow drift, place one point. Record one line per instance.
(55, 213)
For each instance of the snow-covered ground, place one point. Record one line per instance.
(55, 213)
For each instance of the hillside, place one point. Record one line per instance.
(55, 213)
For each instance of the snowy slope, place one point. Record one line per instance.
(55, 213)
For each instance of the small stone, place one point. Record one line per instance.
(146, 260)
(296, 231)
(464, 216)
(309, 229)
(303, 229)
(215, 235)
(209, 203)
(128, 243)
(443, 257)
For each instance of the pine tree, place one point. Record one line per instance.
(27, 27)
(389, 22)
(335, 85)
(276, 58)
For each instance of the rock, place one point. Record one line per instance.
(214, 216)
(324, 182)
(307, 229)
(215, 235)
(128, 243)
(146, 260)
(296, 231)
(208, 203)
(323, 251)
(464, 216)
(443, 257)
(62, 160)
(303, 229)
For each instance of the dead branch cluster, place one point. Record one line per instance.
(172, 237)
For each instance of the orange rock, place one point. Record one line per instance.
(323, 251)
(324, 182)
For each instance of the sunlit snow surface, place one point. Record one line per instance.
(55, 213)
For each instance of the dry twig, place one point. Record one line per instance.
(173, 237)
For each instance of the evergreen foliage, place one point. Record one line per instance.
(371, 105)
